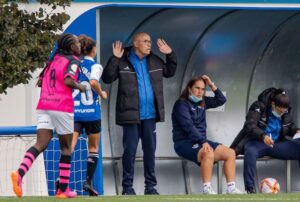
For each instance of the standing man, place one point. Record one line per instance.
(140, 102)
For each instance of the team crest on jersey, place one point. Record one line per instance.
(74, 67)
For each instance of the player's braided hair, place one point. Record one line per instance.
(87, 44)
(64, 46)
(64, 43)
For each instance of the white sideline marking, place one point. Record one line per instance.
(176, 198)
(208, 199)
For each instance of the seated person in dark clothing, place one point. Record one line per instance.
(267, 126)
(189, 132)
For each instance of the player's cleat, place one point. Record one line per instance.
(66, 194)
(88, 188)
(17, 183)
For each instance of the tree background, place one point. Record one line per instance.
(27, 38)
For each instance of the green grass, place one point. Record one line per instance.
(171, 198)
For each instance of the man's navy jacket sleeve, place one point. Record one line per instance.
(111, 71)
(169, 68)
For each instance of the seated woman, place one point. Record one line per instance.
(189, 132)
(268, 123)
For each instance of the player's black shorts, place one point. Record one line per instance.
(90, 127)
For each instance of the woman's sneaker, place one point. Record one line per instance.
(16, 180)
(208, 190)
(234, 191)
(66, 194)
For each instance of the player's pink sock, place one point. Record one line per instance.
(27, 161)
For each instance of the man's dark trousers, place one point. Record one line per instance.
(146, 130)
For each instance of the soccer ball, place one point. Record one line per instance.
(269, 186)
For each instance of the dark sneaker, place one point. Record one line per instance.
(251, 191)
(88, 188)
(128, 191)
(151, 191)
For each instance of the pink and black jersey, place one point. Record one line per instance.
(55, 95)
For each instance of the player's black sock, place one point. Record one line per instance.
(91, 166)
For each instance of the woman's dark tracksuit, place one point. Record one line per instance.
(259, 122)
(189, 125)
(254, 149)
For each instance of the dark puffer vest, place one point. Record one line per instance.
(127, 106)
